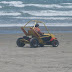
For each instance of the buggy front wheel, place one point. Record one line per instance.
(55, 43)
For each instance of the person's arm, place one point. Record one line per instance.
(40, 33)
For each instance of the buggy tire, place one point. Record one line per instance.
(55, 43)
(34, 42)
(19, 42)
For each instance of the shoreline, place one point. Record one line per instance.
(16, 30)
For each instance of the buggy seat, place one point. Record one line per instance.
(30, 32)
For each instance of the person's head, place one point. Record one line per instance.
(37, 25)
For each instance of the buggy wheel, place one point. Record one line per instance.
(41, 45)
(19, 42)
(55, 43)
(34, 42)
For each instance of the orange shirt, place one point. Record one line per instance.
(37, 29)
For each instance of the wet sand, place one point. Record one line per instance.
(41, 59)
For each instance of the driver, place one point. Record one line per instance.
(37, 29)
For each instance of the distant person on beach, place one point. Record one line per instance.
(37, 29)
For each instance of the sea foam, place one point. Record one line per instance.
(47, 24)
(21, 4)
(45, 18)
(49, 13)
(0, 6)
(13, 3)
(10, 14)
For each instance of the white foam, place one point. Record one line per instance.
(67, 6)
(21, 4)
(45, 18)
(11, 25)
(67, 3)
(10, 14)
(49, 13)
(13, 3)
(44, 5)
(49, 6)
(59, 24)
(0, 6)
(47, 24)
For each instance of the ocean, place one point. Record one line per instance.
(57, 14)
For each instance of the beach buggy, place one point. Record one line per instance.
(35, 39)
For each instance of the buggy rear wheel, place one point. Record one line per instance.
(19, 42)
(55, 43)
(34, 42)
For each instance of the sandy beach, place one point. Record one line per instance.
(41, 59)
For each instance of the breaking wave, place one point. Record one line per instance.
(45, 18)
(21, 4)
(21, 11)
(0, 6)
(47, 24)
(9, 14)
(49, 13)
(13, 3)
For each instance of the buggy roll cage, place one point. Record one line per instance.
(36, 21)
